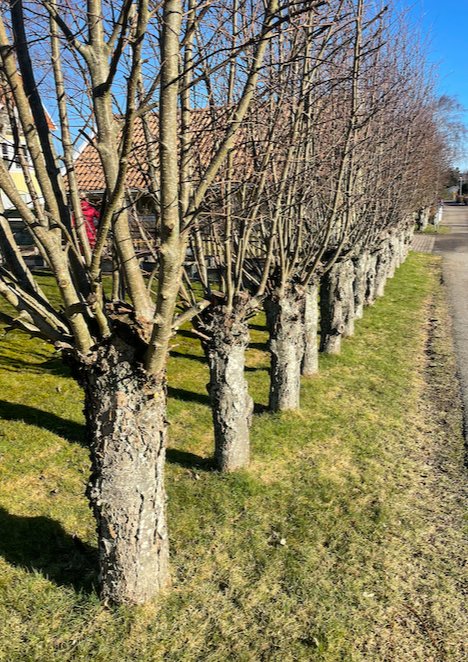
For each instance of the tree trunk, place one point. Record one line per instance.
(381, 271)
(285, 319)
(336, 306)
(310, 363)
(361, 265)
(407, 240)
(422, 219)
(232, 406)
(126, 424)
(402, 249)
(347, 280)
(370, 279)
(393, 256)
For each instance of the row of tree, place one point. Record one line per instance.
(293, 145)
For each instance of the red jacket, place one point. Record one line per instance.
(91, 220)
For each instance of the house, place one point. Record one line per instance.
(14, 154)
(91, 182)
(13, 150)
(207, 128)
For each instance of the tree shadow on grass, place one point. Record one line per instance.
(263, 346)
(53, 365)
(75, 432)
(260, 368)
(201, 359)
(189, 460)
(186, 333)
(70, 430)
(188, 396)
(39, 544)
(191, 357)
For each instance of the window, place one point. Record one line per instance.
(10, 155)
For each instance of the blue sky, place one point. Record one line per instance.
(445, 23)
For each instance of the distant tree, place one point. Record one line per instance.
(451, 177)
(452, 128)
(255, 227)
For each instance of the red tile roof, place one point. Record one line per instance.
(205, 130)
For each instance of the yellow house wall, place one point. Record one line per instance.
(16, 172)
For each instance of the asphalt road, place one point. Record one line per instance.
(453, 248)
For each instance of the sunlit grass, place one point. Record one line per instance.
(318, 551)
(432, 229)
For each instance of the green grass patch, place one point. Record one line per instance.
(432, 229)
(339, 483)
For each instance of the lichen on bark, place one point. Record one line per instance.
(336, 306)
(310, 360)
(125, 411)
(285, 321)
(225, 340)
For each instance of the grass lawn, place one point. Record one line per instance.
(432, 229)
(343, 541)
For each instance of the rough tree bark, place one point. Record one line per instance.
(393, 256)
(370, 279)
(400, 249)
(407, 238)
(310, 361)
(381, 270)
(125, 414)
(361, 264)
(422, 219)
(227, 338)
(285, 320)
(347, 280)
(336, 306)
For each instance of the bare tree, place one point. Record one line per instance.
(237, 243)
(264, 143)
(399, 155)
(305, 214)
(124, 62)
(316, 222)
